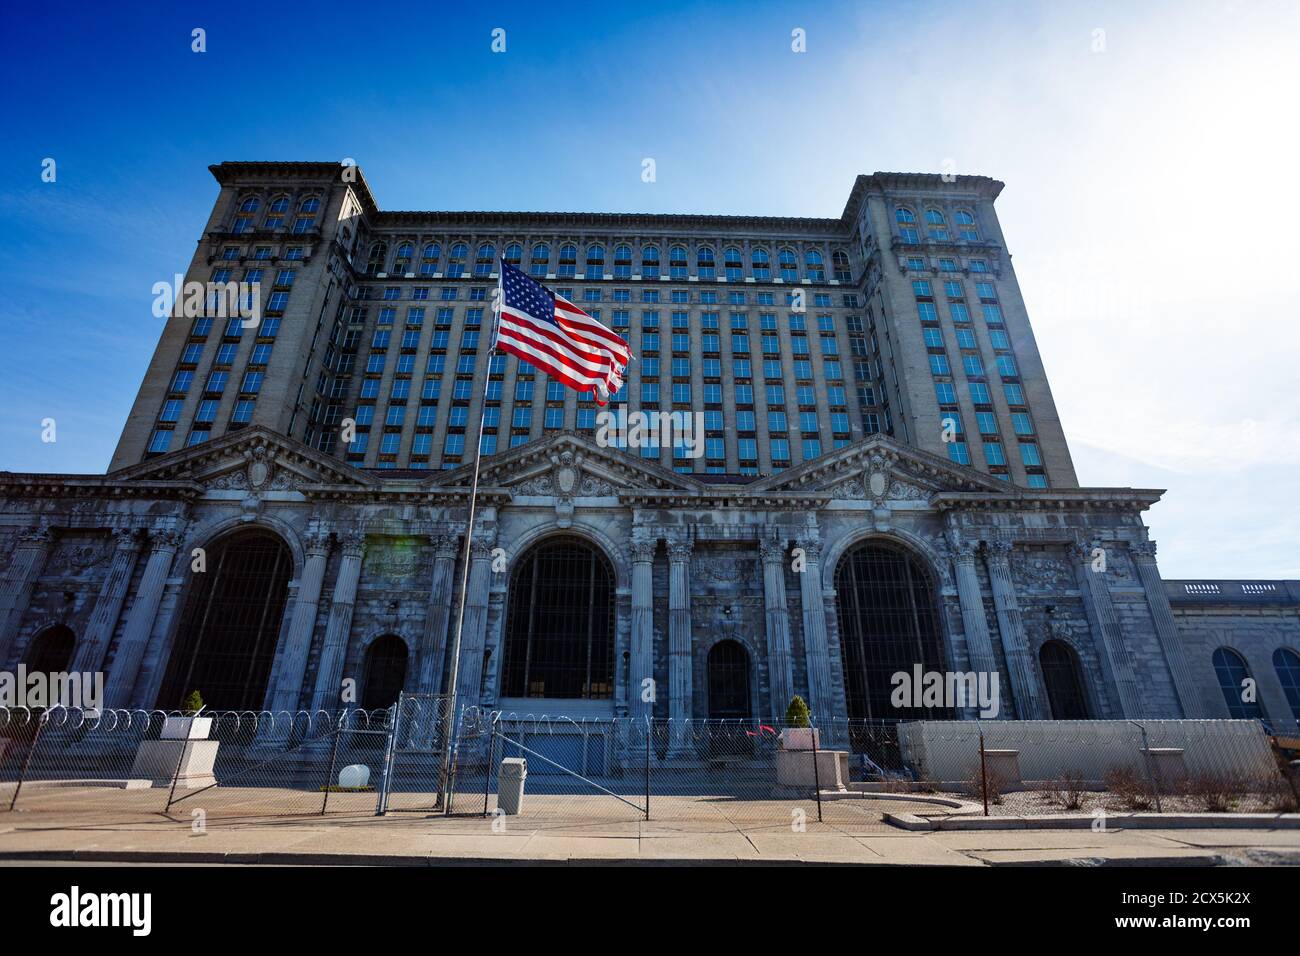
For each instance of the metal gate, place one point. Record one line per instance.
(416, 777)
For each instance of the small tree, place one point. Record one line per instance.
(193, 703)
(796, 715)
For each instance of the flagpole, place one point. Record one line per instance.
(454, 677)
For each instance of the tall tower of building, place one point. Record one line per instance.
(792, 336)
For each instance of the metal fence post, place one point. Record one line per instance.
(22, 774)
(487, 769)
(381, 804)
(1152, 773)
(984, 774)
(649, 726)
(817, 779)
(329, 777)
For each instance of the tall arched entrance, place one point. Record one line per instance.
(1063, 679)
(559, 629)
(225, 643)
(728, 669)
(50, 651)
(385, 672)
(889, 623)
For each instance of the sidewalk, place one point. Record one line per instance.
(421, 840)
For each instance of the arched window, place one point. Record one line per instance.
(432, 251)
(762, 264)
(903, 214)
(789, 264)
(729, 697)
(385, 672)
(733, 264)
(514, 253)
(1235, 683)
(405, 250)
(249, 204)
(888, 625)
(51, 651)
(456, 260)
(595, 262)
(568, 268)
(677, 266)
(650, 262)
(310, 204)
(1287, 664)
(378, 256)
(229, 625)
(623, 262)
(541, 257)
(459, 251)
(964, 218)
(1063, 678)
(280, 204)
(486, 252)
(816, 270)
(559, 630)
(935, 217)
(704, 263)
(840, 263)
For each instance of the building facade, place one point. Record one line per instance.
(882, 482)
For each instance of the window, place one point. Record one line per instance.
(993, 453)
(1029, 454)
(1233, 674)
(1287, 664)
(1063, 680)
(903, 214)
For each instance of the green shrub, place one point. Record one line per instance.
(193, 703)
(796, 715)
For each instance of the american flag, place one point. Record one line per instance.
(550, 332)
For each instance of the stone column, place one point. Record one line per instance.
(640, 695)
(1144, 559)
(816, 646)
(432, 655)
(1015, 645)
(979, 647)
(329, 673)
(780, 673)
(679, 635)
(125, 667)
(108, 606)
(1116, 663)
(474, 628)
(19, 581)
(286, 689)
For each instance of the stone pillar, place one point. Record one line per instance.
(1015, 646)
(474, 629)
(432, 655)
(1144, 558)
(780, 673)
(816, 645)
(679, 635)
(640, 695)
(329, 674)
(19, 581)
(286, 689)
(1116, 663)
(979, 647)
(140, 620)
(89, 656)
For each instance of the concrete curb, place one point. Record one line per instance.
(1081, 821)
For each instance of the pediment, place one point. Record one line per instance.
(879, 469)
(252, 459)
(569, 465)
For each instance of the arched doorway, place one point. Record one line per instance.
(729, 682)
(888, 625)
(1063, 678)
(559, 630)
(50, 651)
(385, 672)
(225, 643)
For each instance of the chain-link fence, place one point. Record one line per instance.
(592, 772)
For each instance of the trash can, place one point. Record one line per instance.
(510, 784)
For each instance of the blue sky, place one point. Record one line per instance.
(1148, 205)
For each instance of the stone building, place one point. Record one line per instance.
(282, 523)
